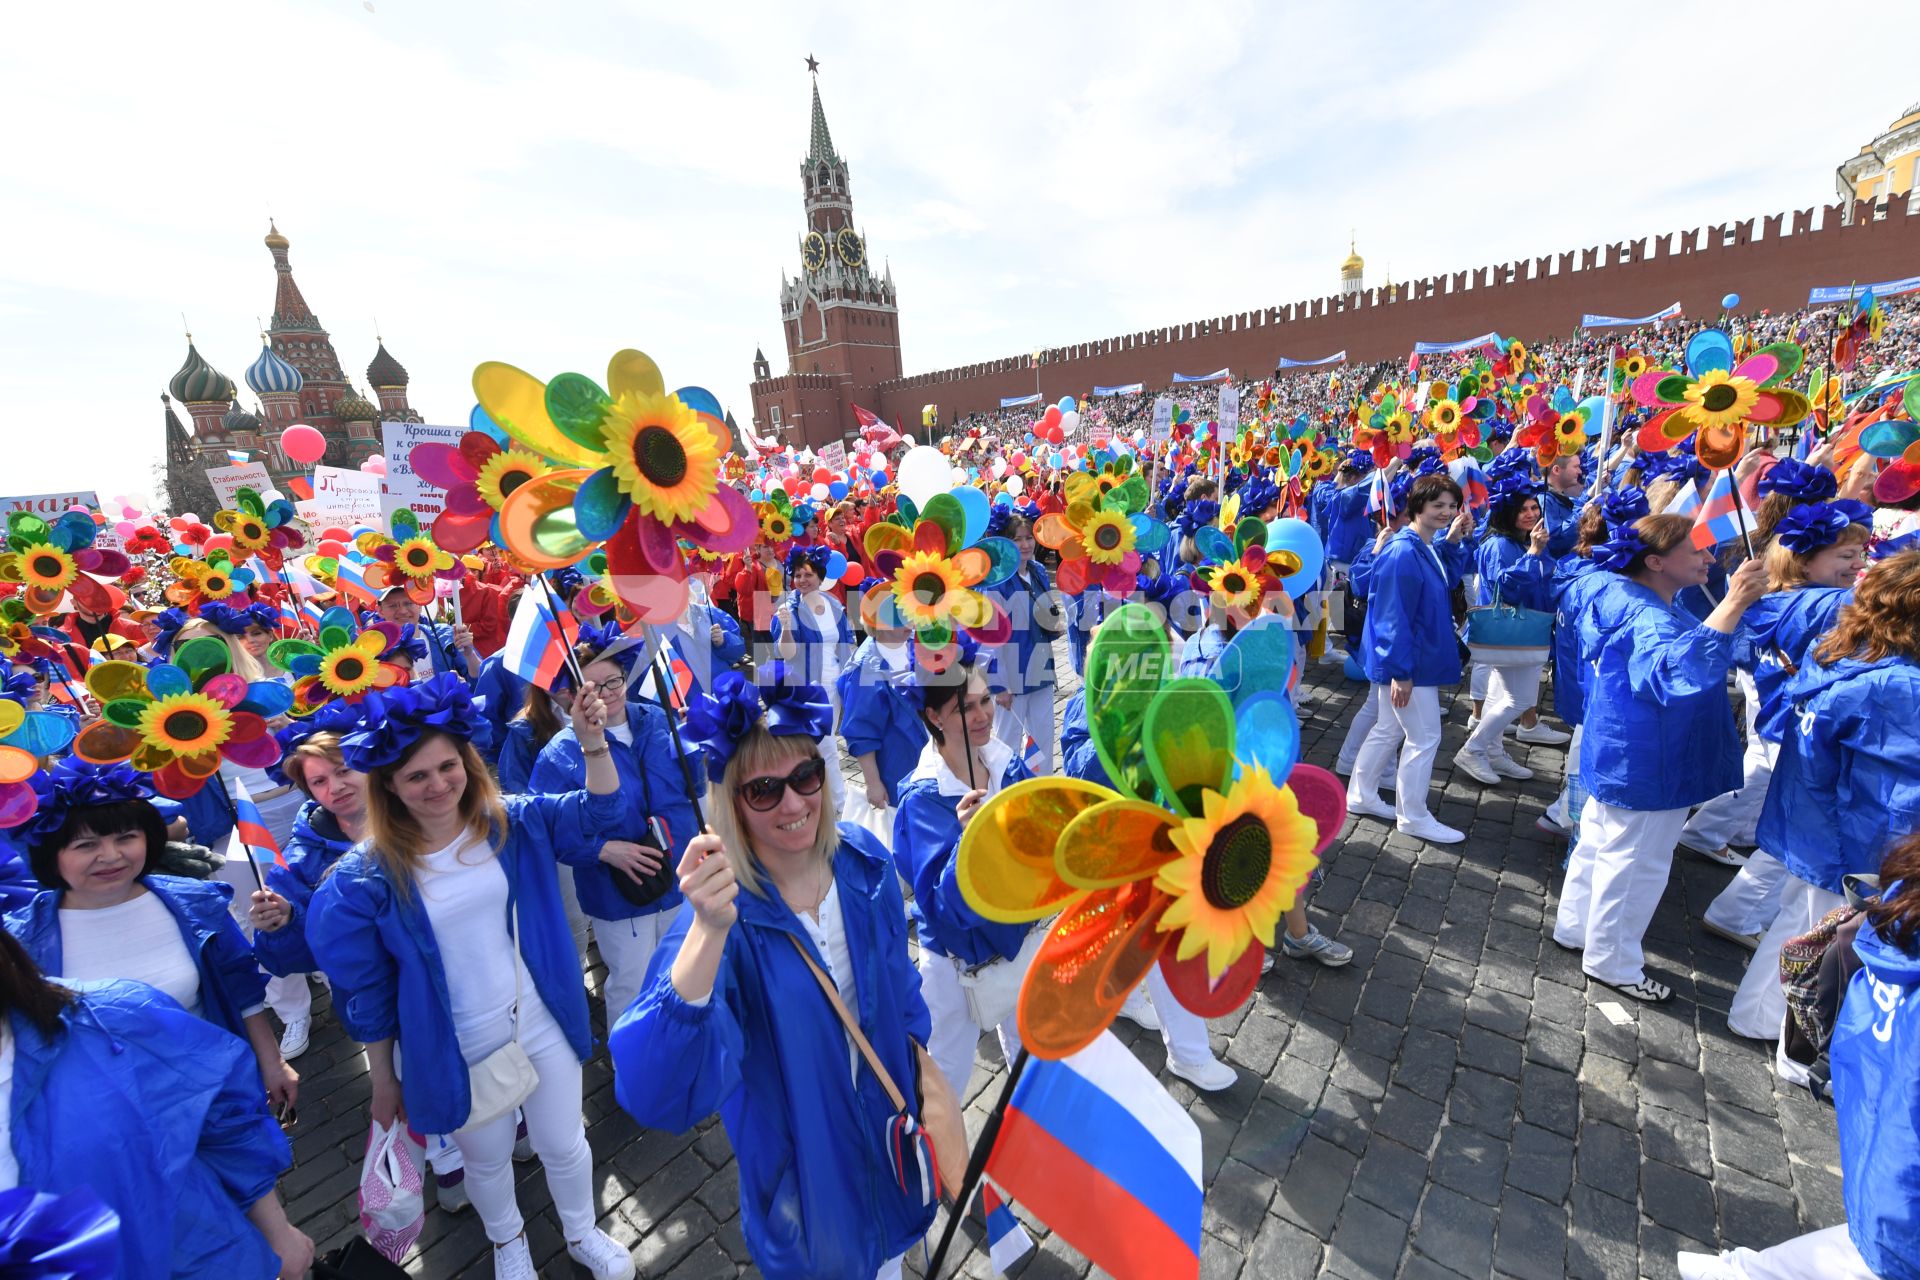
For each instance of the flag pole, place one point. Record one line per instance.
(555, 608)
(1740, 512)
(977, 1163)
(233, 813)
(662, 672)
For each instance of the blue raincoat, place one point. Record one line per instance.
(1409, 632)
(1780, 630)
(1025, 662)
(809, 662)
(379, 952)
(1659, 726)
(505, 694)
(876, 717)
(1348, 527)
(1576, 580)
(231, 984)
(1846, 783)
(1562, 515)
(818, 1195)
(158, 1114)
(1506, 568)
(519, 752)
(316, 844)
(926, 840)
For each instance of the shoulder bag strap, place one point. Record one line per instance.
(853, 1028)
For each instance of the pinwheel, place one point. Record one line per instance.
(1898, 441)
(26, 737)
(260, 528)
(1238, 571)
(1205, 837)
(1627, 369)
(1557, 427)
(478, 476)
(178, 720)
(640, 471)
(198, 581)
(1715, 399)
(1513, 360)
(1104, 533)
(51, 560)
(1869, 320)
(345, 663)
(776, 520)
(410, 559)
(932, 564)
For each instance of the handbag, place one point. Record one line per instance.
(929, 1152)
(993, 989)
(1508, 635)
(504, 1078)
(392, 1207)
(655, 884)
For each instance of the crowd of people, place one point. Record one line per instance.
(754, 812)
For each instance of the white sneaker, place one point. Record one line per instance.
(1210, 1076)
(601, 1255)
(1475, 767)
(1542, 734)
(1750, 941)
(1546, 823)
(293, 1041)
(1704, 1266)
(1724, 855)
(1374, 808)
(513, 1261)
(1432, 830)
(1139, 1010)
(1508, 767)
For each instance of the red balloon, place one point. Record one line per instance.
(821, 475)
(335, 533)
(1051, 418)
(303, 444)
(220, 542)
(855, 575)
(333, 547)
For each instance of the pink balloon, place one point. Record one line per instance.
(303, 444)
(375, 466)
(220, 542)
(333, 547)
(189, 517)
(125, 528)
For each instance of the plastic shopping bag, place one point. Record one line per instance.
(392, 1204)
(860, 811)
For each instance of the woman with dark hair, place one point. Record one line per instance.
(102, 914)
(961, 766)
(116, 1092)
(1513, 567)
(446, 944)
(628, 894)
(1409, 651)
(735, 1016)
(1846, 780)
(1659, 739)
(1023, 670)
(812, 638)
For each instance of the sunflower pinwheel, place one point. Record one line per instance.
(1205, 837)
(1237, 571)
(259, 528)
(1556, 426)
(26, 738)
(1715, 399)
(345, 663)
(776, 520)
(178, 720)
(1104, 533)
(931, 564)
(1513, 360)
(478, 475)
(51, 559)
(640, 471)
(197, 582)
(409, 559)
(1627, 369)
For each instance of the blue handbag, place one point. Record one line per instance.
(1505, 635)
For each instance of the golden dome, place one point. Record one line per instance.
(274, 239)
(1353, 266)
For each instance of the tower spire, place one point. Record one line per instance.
(820, 143)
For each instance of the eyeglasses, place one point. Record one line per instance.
(610, 689)
(762, 794)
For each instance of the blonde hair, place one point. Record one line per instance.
(761, 753)
(394, 837)
(1787, 568)
(239, 661)
(324, 747)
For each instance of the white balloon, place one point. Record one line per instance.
(959, 475)
(1070, 421)
(272, 495)
(923, 472)
(1016, 486)
(819, 492)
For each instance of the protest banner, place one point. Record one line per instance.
(49, 505)
(1163, 418)
(228, 481)
(349, 499)
(401, 487)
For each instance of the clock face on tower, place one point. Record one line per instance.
(813, 251)
(852, 252)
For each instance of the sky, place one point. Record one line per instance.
(546, 183)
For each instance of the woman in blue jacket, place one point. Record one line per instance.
(1658, 739)
(878, 721)
(1023, 674)
(1512, 567)
(1359, 584)
(1875, 1056)
(444, 939)
(628, 894)
(734, 1019)
(1846, 780)
(102, 915)
(1409, 650)
(117, 1093)
(963, 764)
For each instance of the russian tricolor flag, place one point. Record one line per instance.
(1685, 502)
(351, 580)
(1097, 1150)
(1716, 522)
(249, 828)
(537, 642)
(1466, 473)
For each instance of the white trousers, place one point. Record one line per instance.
(290, 998)
(1183, 1031)
(555, 1127)
(1558, 809)
(1751, 899)
(955, 1035)
(1479, 680)
(1615, 878)
(1030, 716)
(1415, 730)
(1818, 1255)
(1760, 1005)
(626, 946)
(1510, 692)
(1731, 818)
(1364, 718)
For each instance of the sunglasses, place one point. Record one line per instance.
(762, 794)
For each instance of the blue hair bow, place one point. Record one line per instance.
(394, 719)
(1619, 551)
(798, 555)
(1805, 530)
(717, 722)
(337, 717)
(236, 621)
(1799, 481)
(74, 783)
(168, 623)
(1625, 505)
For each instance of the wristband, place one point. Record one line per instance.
(602, 750)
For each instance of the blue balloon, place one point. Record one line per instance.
(1731, 301)
(879, 477)
(836, 566)
(758, 495)
(974, 503)
(837, 490)
(1300, 538)
(1053, 459)
(1003, 499)
(1066, 404)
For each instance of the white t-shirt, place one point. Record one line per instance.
(9, 1167)
(826, 621)
(464, 889)
(139, 940)
(829, 934)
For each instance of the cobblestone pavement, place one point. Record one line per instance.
(1454, 1103)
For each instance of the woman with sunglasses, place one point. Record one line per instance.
(629, 895)
(445, 941)
(734, 1019)
(960, 769)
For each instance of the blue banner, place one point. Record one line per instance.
(1014, 402)
(1130, 389)
(1884, 289)
(1435, 348)
(1615, 322)
(1336, 358)
(1218, 375)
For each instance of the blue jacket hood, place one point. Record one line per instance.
(1875, 1052)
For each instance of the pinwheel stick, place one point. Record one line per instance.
(977, 1164)
(966, 740)
(233, 814)
(554, 610)
(1740, 513)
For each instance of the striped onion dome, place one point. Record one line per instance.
(270, 375)
(237, 419)
(199, 382)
